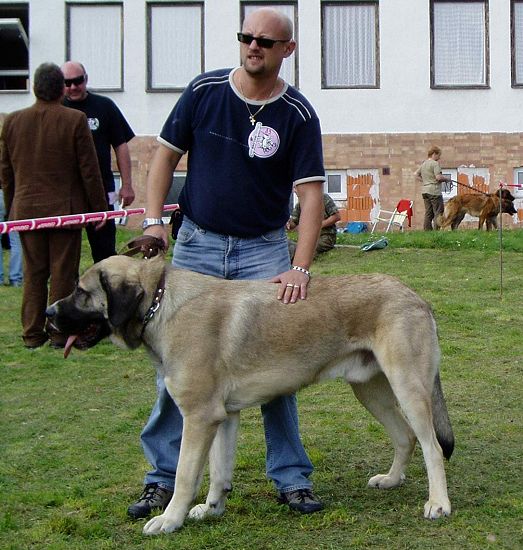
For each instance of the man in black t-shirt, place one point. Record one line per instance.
(109, 129)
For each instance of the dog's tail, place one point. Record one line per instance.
(441, 420)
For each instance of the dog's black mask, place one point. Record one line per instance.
(84, 329)
(507, 207)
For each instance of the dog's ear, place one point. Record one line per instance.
(122, 300)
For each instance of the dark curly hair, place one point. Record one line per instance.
(48, 82)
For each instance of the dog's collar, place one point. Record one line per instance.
(153, 308)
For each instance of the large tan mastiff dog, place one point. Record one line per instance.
(227, 345)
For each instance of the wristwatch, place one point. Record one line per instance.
(151, 221)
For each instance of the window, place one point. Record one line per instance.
(363, 194)
(174, 44)
(95, 37)
(350, 44)
(517, 42)
(336, 184)
(459, 44)
(289, 67)
(518, 193)
(14, 47)
(449, 189)
(117, 204)
(518, 180)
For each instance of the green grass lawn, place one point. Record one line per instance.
(71, 460)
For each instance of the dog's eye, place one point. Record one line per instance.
(81, 293)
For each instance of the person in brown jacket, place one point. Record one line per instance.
(48, 167)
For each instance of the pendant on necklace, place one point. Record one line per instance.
(253, 120)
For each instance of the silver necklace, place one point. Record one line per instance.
(252, 116)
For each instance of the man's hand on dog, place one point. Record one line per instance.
(293, 285)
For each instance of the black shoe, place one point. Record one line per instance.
(56, 344)
(153, 497)
(302, 500)
(35, 345)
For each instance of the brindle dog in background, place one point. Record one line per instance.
(484, 206)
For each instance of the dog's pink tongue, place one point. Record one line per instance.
(69, 345)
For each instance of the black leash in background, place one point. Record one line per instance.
(467, 186)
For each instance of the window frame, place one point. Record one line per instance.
(513, 44)
(342, 195)
(117, 204)
(166, 215)
(453, 173)
(149, 54)
(486, 49)
(71, 5)
(377, 75)
(374, 191)
(295, 23)
(21, 21)
(517, 192)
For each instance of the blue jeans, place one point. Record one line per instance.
(228, 257)
(15, 257)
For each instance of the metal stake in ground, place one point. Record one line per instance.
(500, 245)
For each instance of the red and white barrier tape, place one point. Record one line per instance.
(53, 222)
(516, 185)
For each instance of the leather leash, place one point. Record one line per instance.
(153, 308)
(146, 244)
(150, 247)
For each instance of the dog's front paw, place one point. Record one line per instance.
(386, 481)
(435, 510)
(160, 524)
(201, 511)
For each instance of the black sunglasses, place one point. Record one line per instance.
(76, 81)
(267, 43)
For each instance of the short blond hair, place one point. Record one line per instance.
(433, 150)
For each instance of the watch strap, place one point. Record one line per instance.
(147, 222)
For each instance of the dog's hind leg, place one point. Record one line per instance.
(199, 430)
(414, 398)
(377, 397)
(491, 222)
(457, 220)
(221, 466)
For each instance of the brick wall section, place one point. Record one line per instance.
(403, 153)
(142, 149)
(400, 153)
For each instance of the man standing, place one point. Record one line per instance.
(109, 129)
(429, 174)
(15, 276)
(48, 167)
(251, 138)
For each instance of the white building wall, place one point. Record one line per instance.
(404, 103)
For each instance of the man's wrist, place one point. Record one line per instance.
(301, 270)
(148, 222)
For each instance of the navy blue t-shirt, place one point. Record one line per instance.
(240, 176)
(108, 127)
